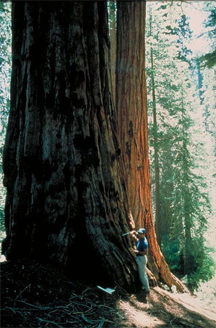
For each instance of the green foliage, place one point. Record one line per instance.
(202, 266)
(182, 141)
(170, 249)
(204, 269)
(209, 60)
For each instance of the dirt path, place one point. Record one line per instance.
(164, 309)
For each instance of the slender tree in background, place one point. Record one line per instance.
(132, 116)
(158, 222)
(66, 196)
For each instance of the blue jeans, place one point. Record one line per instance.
(142, 262)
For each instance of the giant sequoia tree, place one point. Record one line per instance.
(133, 128)
(66, 199)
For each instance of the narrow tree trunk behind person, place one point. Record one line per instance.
(132, 114)
(66, 198)
(156, 156)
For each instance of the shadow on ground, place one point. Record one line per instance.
(38, 295)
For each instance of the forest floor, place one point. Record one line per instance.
(35, 295)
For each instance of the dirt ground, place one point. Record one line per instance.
(35, 295)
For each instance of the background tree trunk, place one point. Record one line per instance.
(66, 199)
(156, 157)
(132, 115)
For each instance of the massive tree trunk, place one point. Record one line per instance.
(132, 116)
(131, 105)
(66, 199)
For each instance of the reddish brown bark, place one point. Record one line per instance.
(133, 127)
(131, 106)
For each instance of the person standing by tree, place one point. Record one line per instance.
(141, 252)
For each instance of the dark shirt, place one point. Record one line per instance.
(142, 245)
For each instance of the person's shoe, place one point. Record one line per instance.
(147, 292)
